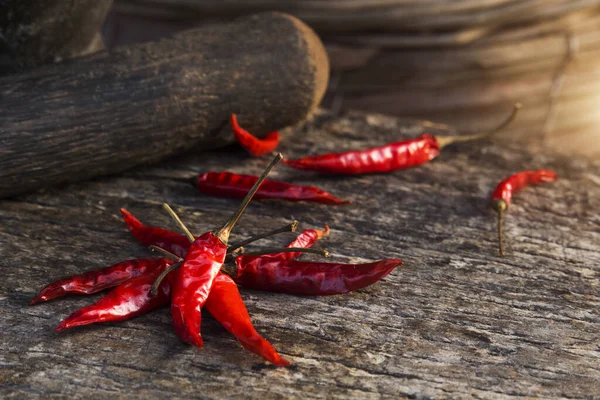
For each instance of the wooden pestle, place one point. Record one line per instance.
(141, 103)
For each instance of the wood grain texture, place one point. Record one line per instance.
(141, 103)
(455, 322)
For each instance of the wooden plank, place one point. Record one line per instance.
(456, 321)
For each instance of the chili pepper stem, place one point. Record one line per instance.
(223, 232)
(164, 252)
(176, 218)
(272, 250)
(500, 206)
(287, 228)
(159, 279)
(444, 141)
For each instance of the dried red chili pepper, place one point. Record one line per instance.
(253, 145)
(226, 305)
(502, 194)
(387, 158)
(199, 269)
(152, 235)
(309, 278)
(97, 280)
(304, 240)
(228, 184)
(128, 300)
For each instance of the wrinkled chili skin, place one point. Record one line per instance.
(310, 278)
(386, 158)
(514, 183)
(152, 235)
(126, 301)
(226, 305)
(193, 283)
(227, 184)
(97, 280)
(253, 145)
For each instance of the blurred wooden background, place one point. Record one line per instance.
(459, 62)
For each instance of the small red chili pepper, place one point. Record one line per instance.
(387, 158)
(256, 147)
(194, 281)
(126, 301)
(151, 235)
(304, 240)
(227, 306)
(502, 194)
(97, 280)
(199, 269)
(228, 184)
(310, 278)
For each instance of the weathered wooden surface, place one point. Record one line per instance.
(455, 322)
(141, 103)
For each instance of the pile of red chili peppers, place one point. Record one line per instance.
(203, 272)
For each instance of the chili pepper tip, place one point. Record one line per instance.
(37, 300)
(61, 327)
(321, 233)
(282, 362)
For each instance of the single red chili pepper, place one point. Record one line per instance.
(227, 306)
(310, 278)
(253, 145)
(304, 240)
(502, 194)
(126, 301)
(228, 184)
(389, 157)
(152, 235)
(199, 269)
(195, 279)
(97, 280)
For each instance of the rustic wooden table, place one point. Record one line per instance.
(456, 321)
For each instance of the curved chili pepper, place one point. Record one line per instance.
(126, 301)
(227, 184)
(310, 278)
(200, 267)
(387, 158)
(502, 194)
(97, 280)
(226, 306)
(196, 276)
(152, 235)
(253, 145)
